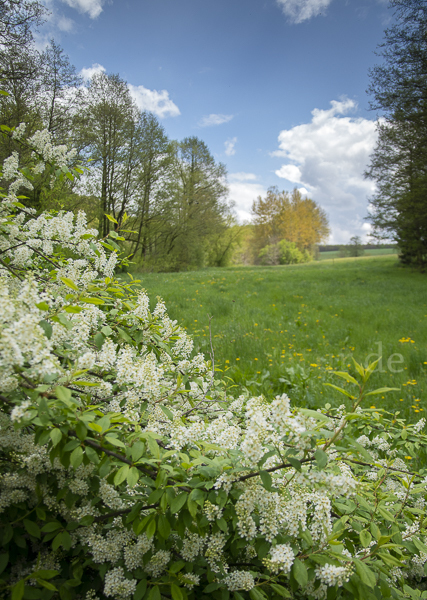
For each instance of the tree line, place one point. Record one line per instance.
(167, 200)
(399, 163)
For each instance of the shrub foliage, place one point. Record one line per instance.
(128, 472)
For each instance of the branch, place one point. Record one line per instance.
(119, 513)
(281, 466)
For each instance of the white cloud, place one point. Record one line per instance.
(328, 157)
(300, 10)
(89, 72)
(153, 101)
(213, 119)
(92, 7)
(65, 24)
(243, 193)
(230, 149)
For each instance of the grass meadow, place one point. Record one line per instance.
(286, 329)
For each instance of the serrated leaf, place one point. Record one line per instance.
(32, 528)
(63, 393)
(176, 592)
(47, 328)
(52, 526)
(294, 462)
(114, 441)
(133, 476)
(111, 218)
(178, 502)
(91, 300)
(280, 590)
(69, 283)
(167, 412)
(299, 571)
(153, 446)
(321, 458)
(151, 529)
(18, 590)
(42, 306)
(365, 538)
(140, 590)
(99, 340)
(76, 457)
(365, 573)
(138, 449)
(55, 436)
(73, 309)
(266, 480)
(163, 527)
(121, 475)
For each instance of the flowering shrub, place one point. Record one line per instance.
(127, 471)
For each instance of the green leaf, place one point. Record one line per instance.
(140, 590)
(419, 544)
(47, 328)
(163, 527)
(76, 457)
(91, 300)
(124, 335)
(266, 480)
(121, 475)
(176, 592)
(4, 561)
(366, 575)
(92, 455)
(47, 585)
(18, 590)
(63, 393)
(56, 436)
(345, 376)
(32, 528)
(167, 412)
(255, 594)
(42, 306)
(69, 283)
(314, 414)
(294, 462)
(151, 529)
(111, 218)
(137, 450)
(321, 458)
(115, 441)
(335, 387)
(222, 524)
(178, 502)
(383, 390)
(81, 431)
(299, 571)
(99, 339)
(52, 526)
(133, 476)
(153, 446)
(365, 538)
(280, 590)
(72, 309)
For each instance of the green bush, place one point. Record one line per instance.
(128, 472)
(283, 253)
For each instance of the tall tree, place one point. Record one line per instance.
(284, 216)
(108, 131)
(399, 163)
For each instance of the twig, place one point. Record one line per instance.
(119, 513)
(9, 268)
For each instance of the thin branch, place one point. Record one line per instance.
(9, 268)
(119, 513)
(281, 466)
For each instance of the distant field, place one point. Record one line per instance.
(370, 252)
(281, 329)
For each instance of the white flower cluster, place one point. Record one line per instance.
(331, 575)
(282, 559)
(239, 580)
(118, 586)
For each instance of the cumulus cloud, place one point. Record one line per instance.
(298, 11)
(92, 7)
(153, 101)
(328, 157)
(213, 119)
(230, 146)
(243, 190)
(88, 72)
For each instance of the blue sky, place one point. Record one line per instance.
(276, 88)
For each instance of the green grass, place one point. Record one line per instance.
(284, 329)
